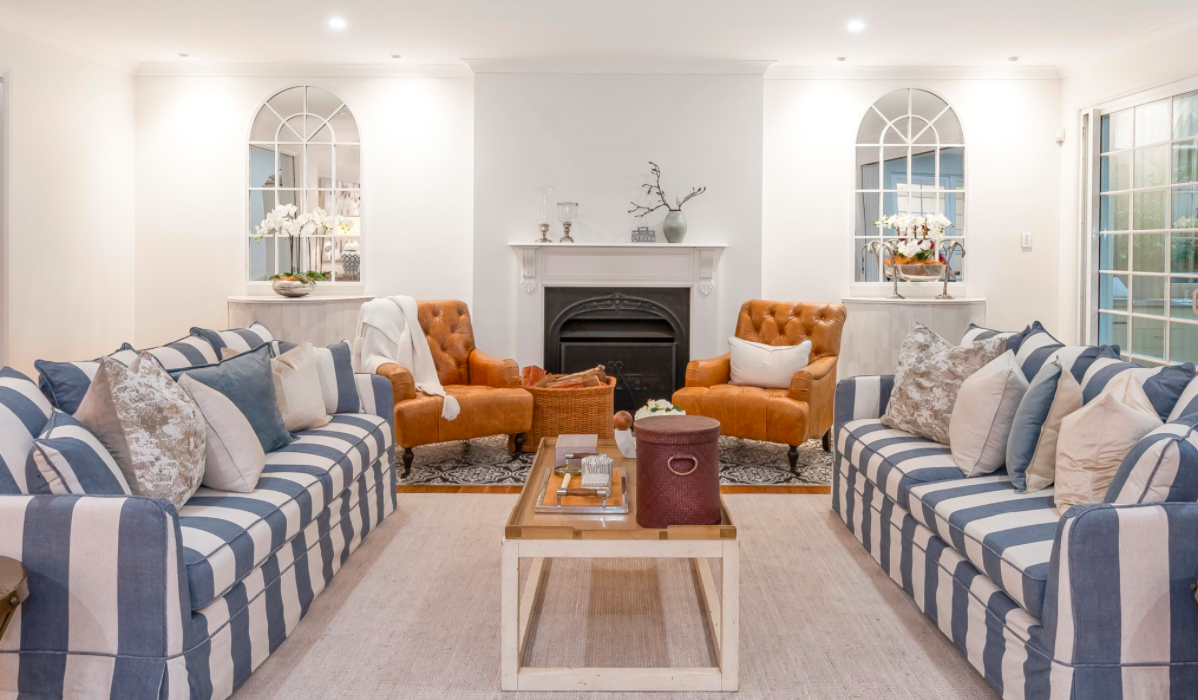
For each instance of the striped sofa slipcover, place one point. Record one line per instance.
(1095, 605)
(132, 600)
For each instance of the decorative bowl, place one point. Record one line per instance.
(293, 286)
(918, 272)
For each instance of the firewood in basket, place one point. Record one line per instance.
(577, 380)
(530, 375)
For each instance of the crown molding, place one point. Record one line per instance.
(81, 46)
(188, 69)
(843, 72)
(1185, 24)
(618, 66)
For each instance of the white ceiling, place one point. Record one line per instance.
(800, 33)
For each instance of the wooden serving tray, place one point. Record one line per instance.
(617, 502)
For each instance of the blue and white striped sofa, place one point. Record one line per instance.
(1095, 605)
(130, 599)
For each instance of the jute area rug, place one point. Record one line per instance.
(414, 613)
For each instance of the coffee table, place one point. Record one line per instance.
(541, 536)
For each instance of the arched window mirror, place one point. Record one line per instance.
(304, 150)
(910, 160)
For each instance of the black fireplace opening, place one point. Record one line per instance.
(640, 335)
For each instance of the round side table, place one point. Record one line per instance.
(14, 589)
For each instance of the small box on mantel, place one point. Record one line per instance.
(569, 445)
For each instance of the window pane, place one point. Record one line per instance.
(948, 128)
(1115, 212)
(1181, 292)
(349, 166)
(1184, 252)
(345, 127)
(348, 204)
(923, 166)
(952, 205)
(1148, 295)
(1117, 131)
(867, 167)
(869, 132)
(1185, 162)
(1185, 115)
(266, 125)
(896, 133)
(1185, 207)
(1112, 292)
(894, 167)
(318, 169)
(1112, 251)
(867, 212)
(1148, 252)
(1150, 210)
(318, 198)
(894, 104)
(952, 168)
(1152, 123)
(1148, 337)
(1112, 330)
(1116, 172)
(261, 259)
(1152, 165)
(866, 265)
(1183, 342)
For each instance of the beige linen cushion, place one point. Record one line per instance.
(930, 372)
(983, 414)
(233, 456)
(1095, 439)
(151, 426)
(297, 389)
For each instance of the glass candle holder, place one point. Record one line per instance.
(544, 211)
(567, 213)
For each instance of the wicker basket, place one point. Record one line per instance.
(581, 411)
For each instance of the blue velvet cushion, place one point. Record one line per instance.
(246, 381)
(65, 383)
(335, 367)
(23, 413)
(1028, 425)
(67, 458)
(1162, 467)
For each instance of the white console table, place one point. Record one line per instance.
(321, 320)
(875, 328)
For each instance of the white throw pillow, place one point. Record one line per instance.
(233, 456)
(767, 366)
(983, 414)
(297, 389)
(1096, 438)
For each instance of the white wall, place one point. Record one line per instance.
(70, 205)
(1012, 176)
(591, 136)
(417, 152)
(1153, 61)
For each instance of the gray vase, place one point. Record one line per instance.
(674, 226)
(296, 287)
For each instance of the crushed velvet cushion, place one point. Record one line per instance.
(929, 375)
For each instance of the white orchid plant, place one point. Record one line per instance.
(285, 221)
(919, 236)
(659, 407)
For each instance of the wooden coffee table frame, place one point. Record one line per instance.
(540, 537)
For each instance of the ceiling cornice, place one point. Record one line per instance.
(1186, 24)
(696, 66)
(318, 70)
(844, 72)
(78, 46)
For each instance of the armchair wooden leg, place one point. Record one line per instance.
(408, 456)
(827, 440)
(518, 442)
(793, 455)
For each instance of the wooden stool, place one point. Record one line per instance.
(14, 589)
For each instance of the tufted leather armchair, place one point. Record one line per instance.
(488, 389)
(789, 416)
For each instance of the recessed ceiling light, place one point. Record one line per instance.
(184, 55)
(842, 59)
(337, 23)
(1013, 59)
(856, 25)
(395, 55)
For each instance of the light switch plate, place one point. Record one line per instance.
(1025, 240)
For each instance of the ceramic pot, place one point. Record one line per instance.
(294, 287)
(674, 227)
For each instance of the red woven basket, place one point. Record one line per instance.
(677, 471)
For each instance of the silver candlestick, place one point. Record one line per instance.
(879, 248)
(948, 266)
(544, 230)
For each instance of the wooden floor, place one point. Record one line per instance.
(516, 489)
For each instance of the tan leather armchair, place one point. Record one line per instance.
(790, 416)
(487, 388)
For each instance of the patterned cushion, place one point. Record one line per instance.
(227, 535)
(65, 383)
(335, 365)
(23, 413)
(67, 458)
(191, 351)
(1163, 385)
(149, 424)
(239, 339)
(1162, 467)
(930, 372)
(894, 460)
(1006, 534)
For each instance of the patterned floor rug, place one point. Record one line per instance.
(486, 462)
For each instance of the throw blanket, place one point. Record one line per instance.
(389, 331)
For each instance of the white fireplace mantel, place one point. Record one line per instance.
(541, 265)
